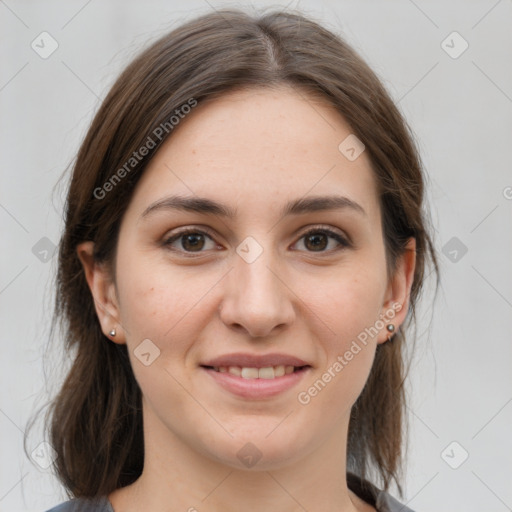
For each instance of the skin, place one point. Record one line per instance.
(252, 150)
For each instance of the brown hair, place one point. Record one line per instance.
(96, 418)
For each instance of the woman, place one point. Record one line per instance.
(244, 246)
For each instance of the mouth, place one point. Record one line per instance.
(255, 376)
(267, 372)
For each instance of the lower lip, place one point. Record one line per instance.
(256, 388)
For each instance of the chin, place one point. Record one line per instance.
(257, 453)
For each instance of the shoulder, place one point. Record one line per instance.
(380, 500)
(100, 504)
(386, 503)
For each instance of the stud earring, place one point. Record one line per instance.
(390, 328)
(112, 332)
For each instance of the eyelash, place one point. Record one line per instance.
(205, 231)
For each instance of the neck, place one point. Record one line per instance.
(177, 477)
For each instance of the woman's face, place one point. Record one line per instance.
(254, 283)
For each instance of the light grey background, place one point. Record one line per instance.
(461, 111)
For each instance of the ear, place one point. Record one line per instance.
(396, 305)
(103, 290)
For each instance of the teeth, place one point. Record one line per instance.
(269, 372)
(265, 373)
(250, 373)
(279, 371)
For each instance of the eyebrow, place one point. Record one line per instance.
(295, 207)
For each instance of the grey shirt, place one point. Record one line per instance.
(382, 501)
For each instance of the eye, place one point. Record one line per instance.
(190, 240)
(194, 240)
(317, 240)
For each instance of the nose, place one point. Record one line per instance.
(257, 298)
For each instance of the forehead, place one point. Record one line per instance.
(259, 147)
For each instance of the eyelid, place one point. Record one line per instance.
(342, 239)
(168, 239)
(324, 227)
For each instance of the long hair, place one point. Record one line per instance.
(95, 420)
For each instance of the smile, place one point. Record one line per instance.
(269, 372)
(256, 383)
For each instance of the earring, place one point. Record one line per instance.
(112, 332)
(390, 328)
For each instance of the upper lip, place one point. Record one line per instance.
(255, 361)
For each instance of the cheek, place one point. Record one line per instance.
(162, 303)
(149, 296)
(348, 301)
(166, 306)
(348, 304)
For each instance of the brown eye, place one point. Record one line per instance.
(192, 242)
(189, 241)
(317, 240)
